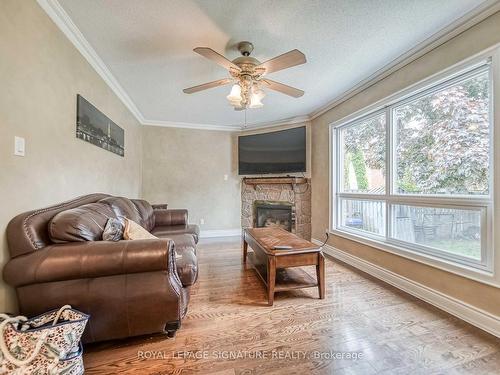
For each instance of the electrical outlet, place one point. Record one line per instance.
(225, 177)
(202, 221)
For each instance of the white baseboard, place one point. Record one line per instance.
(471, 314)
(220, 233)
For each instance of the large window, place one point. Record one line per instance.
(416, 174)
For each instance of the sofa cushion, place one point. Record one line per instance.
(83, 223)
(185, 258)
(123, 208)
(167, 231)
(28, 231)
(146, 212)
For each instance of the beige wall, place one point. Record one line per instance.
(185, 168)
(476, 39)
(40, 74)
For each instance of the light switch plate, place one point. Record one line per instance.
(19, 146)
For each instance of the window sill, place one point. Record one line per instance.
(475, 274)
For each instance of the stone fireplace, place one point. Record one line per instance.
(284, 202)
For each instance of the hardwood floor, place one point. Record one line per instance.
(390, 331)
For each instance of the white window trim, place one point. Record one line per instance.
(489, 273)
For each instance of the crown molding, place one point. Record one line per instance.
(230, 128)
(455, 28)
(189, 125)
(62, 20)
(59, 16)
(272, 124)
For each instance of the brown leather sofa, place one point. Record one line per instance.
(128, 287)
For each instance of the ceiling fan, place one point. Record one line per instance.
(248, 75)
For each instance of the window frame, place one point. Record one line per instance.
(366, 233)
(341, 160)
(483, 270)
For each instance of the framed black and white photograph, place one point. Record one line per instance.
(95, 127)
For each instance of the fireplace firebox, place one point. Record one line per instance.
(274, 214)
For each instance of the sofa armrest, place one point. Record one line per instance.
(90, 259)
(171, 217)
(160, 206)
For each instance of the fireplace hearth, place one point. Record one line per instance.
(274, 214)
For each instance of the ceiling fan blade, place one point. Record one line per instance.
(285, 89)
(287, 60)
(210, 54)
(209, 85)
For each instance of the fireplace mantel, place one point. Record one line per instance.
(274, 180)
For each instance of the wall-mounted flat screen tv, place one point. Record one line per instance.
(281, 151)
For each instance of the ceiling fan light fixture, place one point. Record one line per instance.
(246, 75)
(235, 95)
(255, 101)
(259, 93)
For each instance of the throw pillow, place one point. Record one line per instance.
(113, 231)
(134, 231)
(83, 223)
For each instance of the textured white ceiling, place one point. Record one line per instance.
(147, 45)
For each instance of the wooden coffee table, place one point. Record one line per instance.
(278, 269)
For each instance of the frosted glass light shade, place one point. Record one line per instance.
(260, 93)
(235, 94)
(255, 101)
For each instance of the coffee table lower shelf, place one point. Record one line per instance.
(286, 278)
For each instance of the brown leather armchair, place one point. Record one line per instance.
(128, 287)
